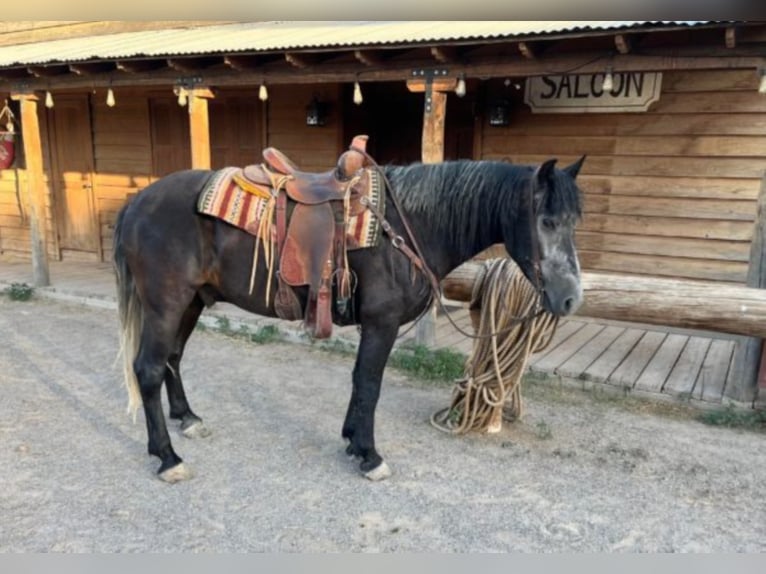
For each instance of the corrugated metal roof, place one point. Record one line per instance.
(292, 35)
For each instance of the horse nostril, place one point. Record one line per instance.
(568, 305)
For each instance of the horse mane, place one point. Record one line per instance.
(469, 195)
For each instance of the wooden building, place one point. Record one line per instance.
(671, 181)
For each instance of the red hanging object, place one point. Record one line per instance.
(7, 151)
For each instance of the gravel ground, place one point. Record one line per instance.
(577, 473)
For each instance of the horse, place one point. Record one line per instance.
(172, 261)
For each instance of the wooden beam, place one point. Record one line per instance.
(527, 50)
(370, 58)
(241, 63)
(444, 54)
(678, 303)
(199, 127)
(139, 66)
(301, 61)
(47, 71)
(191, 65)
(437, 85)
(92, 68)
(731, 37)
(742, 381)
(623, 43)
(432, 151)
(33, 153)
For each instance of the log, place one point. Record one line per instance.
(656, 301)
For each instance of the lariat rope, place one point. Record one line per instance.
(491, 385)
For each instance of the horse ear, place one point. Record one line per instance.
(545, 171)
(574, 169)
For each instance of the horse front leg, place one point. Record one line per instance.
(374, 348)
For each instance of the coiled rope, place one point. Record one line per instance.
(490, 389)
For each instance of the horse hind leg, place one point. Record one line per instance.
(150, 367)
(191, 424)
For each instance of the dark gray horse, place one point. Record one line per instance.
(171, 261)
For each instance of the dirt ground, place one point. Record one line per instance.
(576, 474)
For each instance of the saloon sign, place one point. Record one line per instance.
(631, 92)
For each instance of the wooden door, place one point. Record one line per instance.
(72, 174)
(235, 130)
(171, 143)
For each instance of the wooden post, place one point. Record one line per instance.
(742, 381)
(33, 153)
(199, 127)
(432, 151)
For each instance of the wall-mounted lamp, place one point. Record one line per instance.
(48, 99)
(263, 93)
(358, 99)
(315, 112)
(110, 98)
(762, 84)
(608, 84)
(460, 87)
(500, 113)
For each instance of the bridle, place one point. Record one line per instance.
(417, 259)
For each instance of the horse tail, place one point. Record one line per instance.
(130, 312)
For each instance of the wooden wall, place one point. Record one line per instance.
(669, 192)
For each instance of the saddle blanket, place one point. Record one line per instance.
(227, 196)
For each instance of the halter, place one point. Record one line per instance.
(417, 259)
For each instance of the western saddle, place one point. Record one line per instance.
(311, 233)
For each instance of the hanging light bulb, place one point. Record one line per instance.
(460, 88)
(48, 99)
(358, 94)
(182, 98)
(110, 98)
(9, 127)
(263, 93)
(608, 81)
(762, 85)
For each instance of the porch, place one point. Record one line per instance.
(654, 362)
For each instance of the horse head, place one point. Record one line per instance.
(543, 242)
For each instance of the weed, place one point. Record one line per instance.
(265, 334)
(543, 431)
(731, 417)
(20, 291)
(338, 347)
(438, 364)
(223, 325)
(200, 326)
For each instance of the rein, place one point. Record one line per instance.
(417, 259)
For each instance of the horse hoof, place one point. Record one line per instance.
(197, 429)
(176, 474)
(380, 472)
(494, 427)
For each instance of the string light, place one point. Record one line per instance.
(460, 88)
(48, 99)
(110, 98)
(181, 93)
(263, 93)
(358, 99)
(762, 85)
(608, 84)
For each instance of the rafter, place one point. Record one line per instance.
(528, 50)
(623, 43)
(91, 68)
(301, 60)
(47, 71)
(444, 54)
(191, 65)
(241, 63)
(731, 37)
(139, 66)
(369, 57)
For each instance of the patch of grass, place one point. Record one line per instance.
(223, 325)
(425, 363)
(266, 334)
(732, 417)
(543, 431)
(20, 291)
(338, 347)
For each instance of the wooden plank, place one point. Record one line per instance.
(712, 376)
(668, 227)
(670, 207)
(578, 363)
(712, 81)
(568, 348)
(661, 246)
(626, 374)
(677, 267)
(680, 381)
(651, 186)
(199, 128)
(564, 330)
(656, 372)
(609, 360)
(711, 102)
